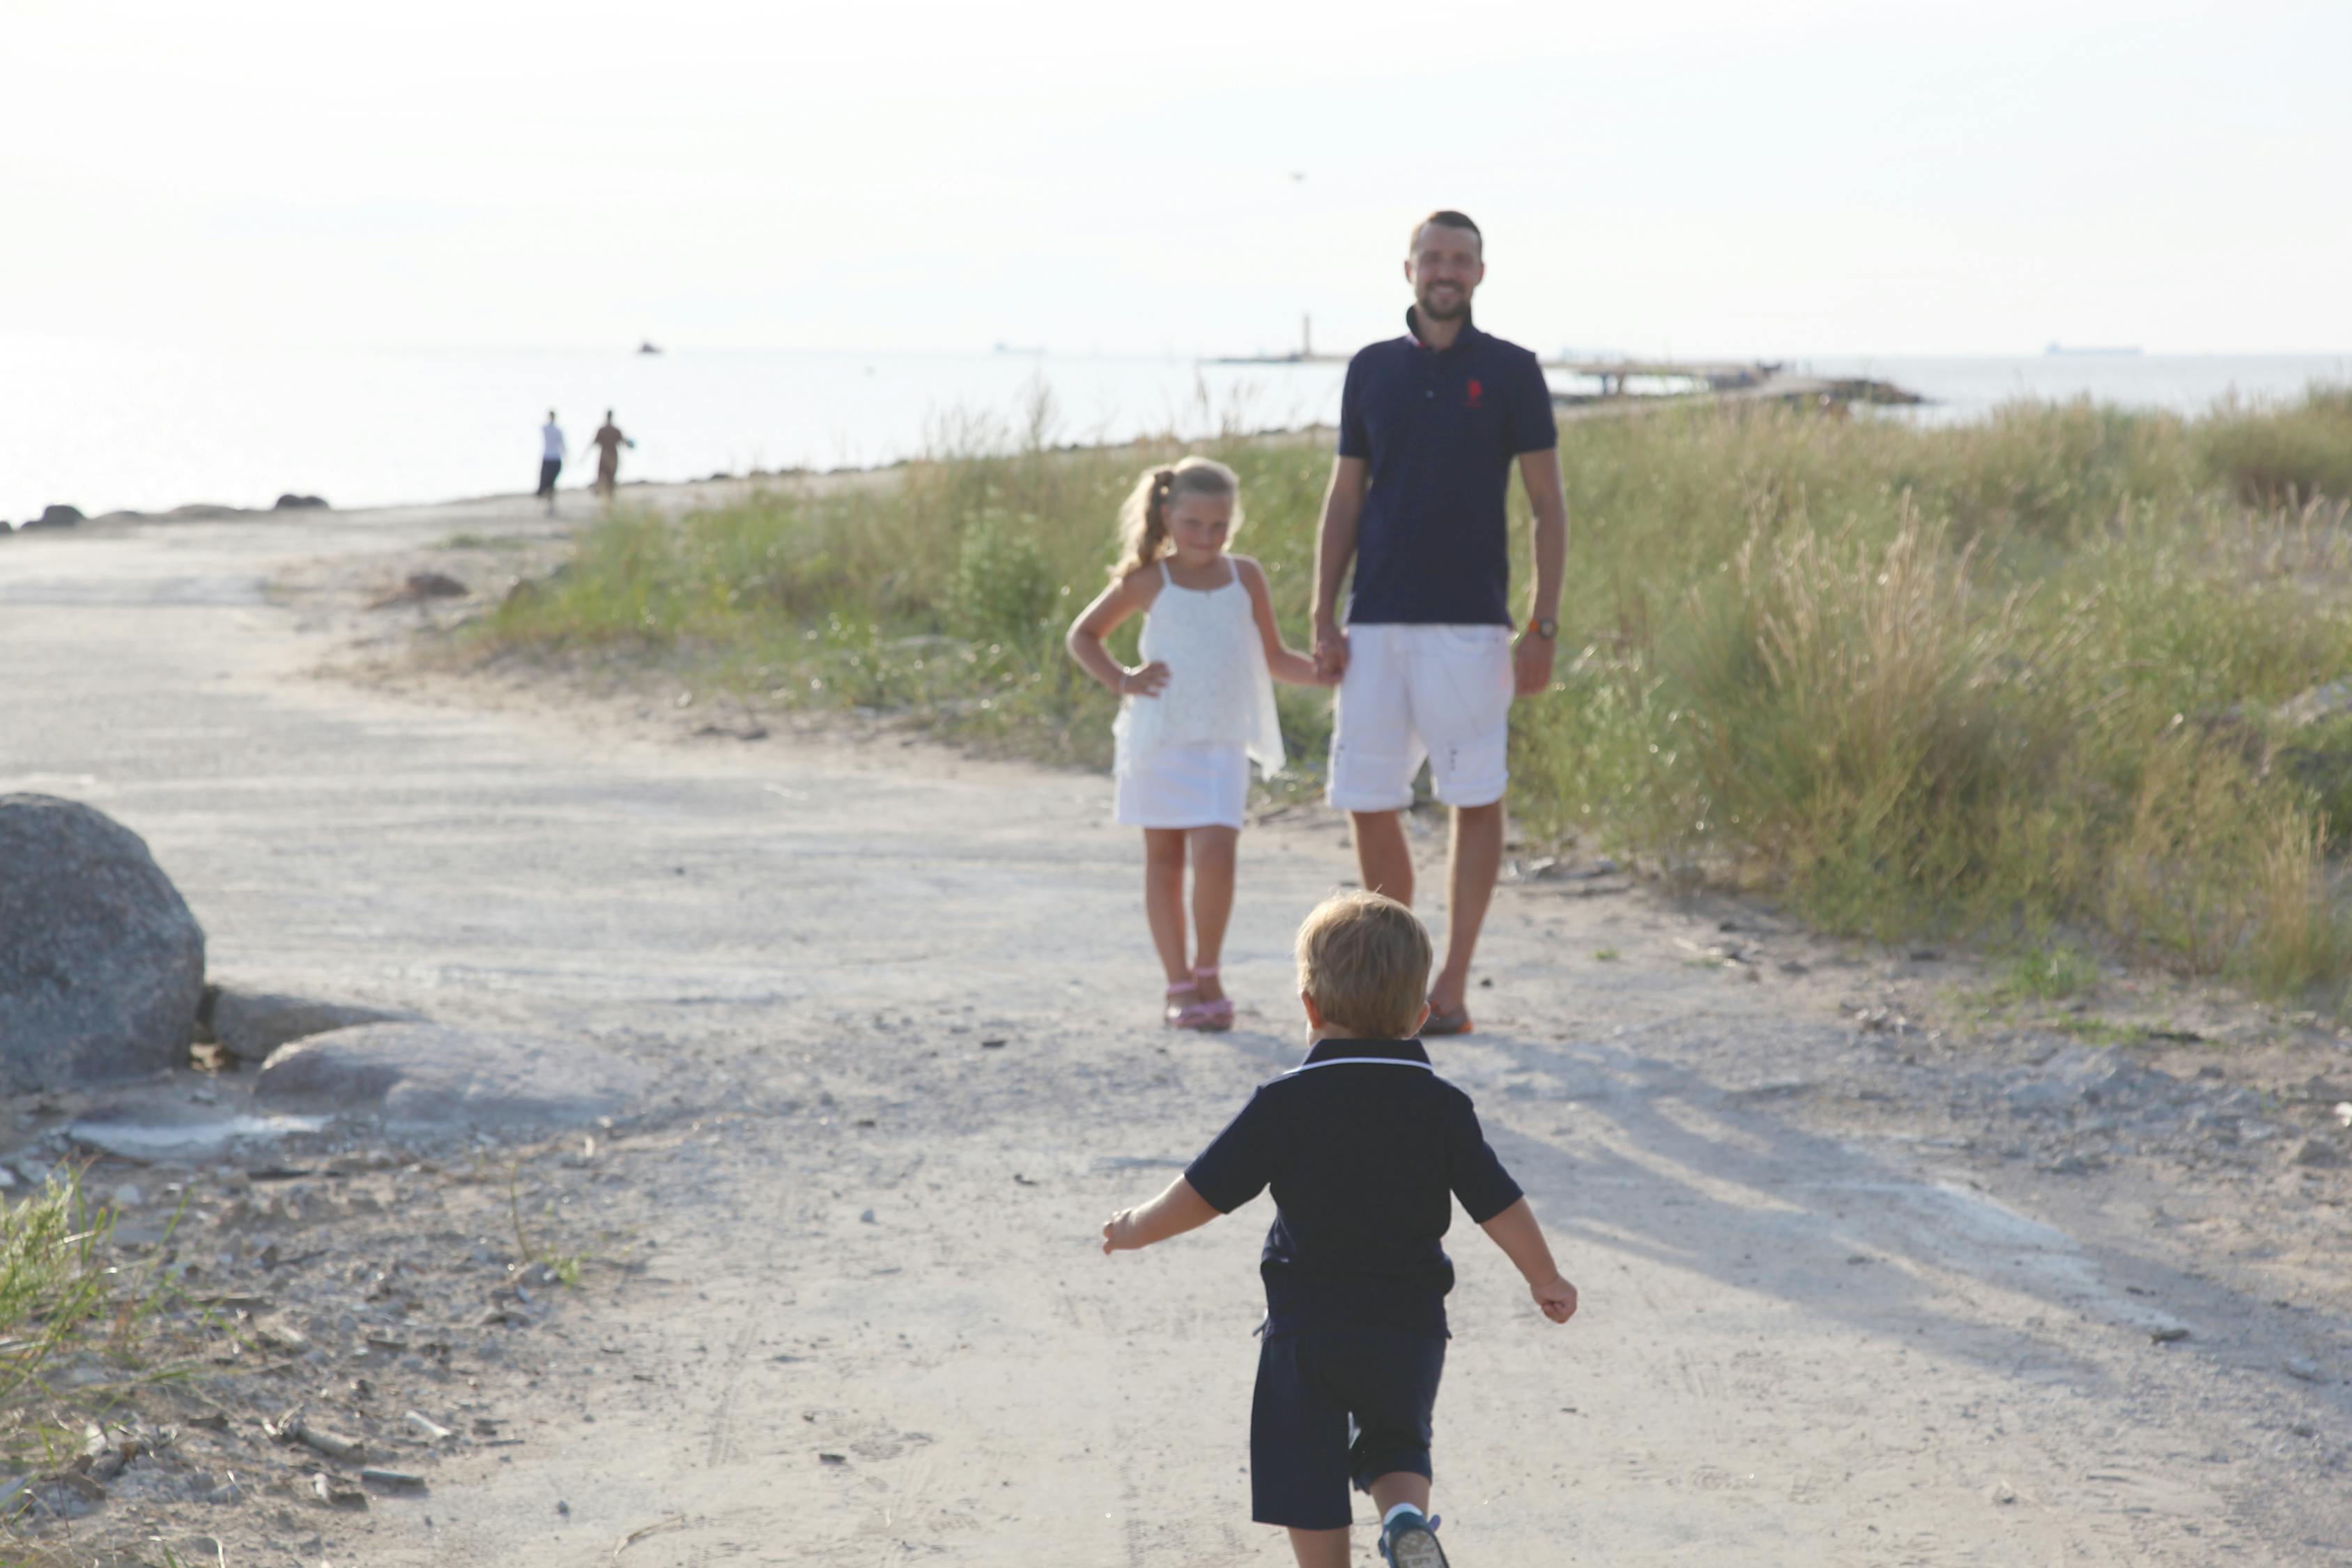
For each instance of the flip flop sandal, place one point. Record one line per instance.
(1209, 1017)
(1443, 1021)
(1173, 1011)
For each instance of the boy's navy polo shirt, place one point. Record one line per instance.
(1438, 431)
(1366, 1148)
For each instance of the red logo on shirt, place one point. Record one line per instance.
(1475, 390)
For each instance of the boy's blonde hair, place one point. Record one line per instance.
(1143, 520)
(1364, 958)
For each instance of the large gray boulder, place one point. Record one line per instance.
(101, 965)
(423, 1076)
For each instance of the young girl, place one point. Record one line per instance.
(1197, 712)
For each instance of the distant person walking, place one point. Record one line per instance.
(608, 442)
(1430, 425)
(551, 459)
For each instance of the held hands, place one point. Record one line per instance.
(1556, 1295)
(1531, 661)
(1330, 652)
(1145, 682)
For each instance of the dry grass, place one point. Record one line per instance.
(1977, 681)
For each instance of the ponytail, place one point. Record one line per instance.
(1143, 519)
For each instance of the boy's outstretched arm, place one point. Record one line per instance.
(1172, 1213)
(1515, 1230)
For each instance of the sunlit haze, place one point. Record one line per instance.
(1685, 178)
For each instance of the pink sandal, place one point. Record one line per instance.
(1173, 1013)
(1209, 1017)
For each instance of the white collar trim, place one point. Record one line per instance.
(1360, 1061)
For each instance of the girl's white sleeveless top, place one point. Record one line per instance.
(1219, 692)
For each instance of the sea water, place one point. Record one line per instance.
(104, 425)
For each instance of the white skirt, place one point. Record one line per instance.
(1185, 787)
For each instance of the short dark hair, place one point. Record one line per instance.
(1443, 218)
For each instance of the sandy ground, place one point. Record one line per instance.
(1864, 1281)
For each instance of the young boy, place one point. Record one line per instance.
(1365, 1148)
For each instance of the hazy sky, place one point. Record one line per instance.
(1680, 175)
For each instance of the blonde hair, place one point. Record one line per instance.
(1364, 959)
(1143, 519)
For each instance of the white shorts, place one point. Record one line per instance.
(1415, 691)
(1185, 787)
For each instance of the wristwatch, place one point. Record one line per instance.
(1546, 628)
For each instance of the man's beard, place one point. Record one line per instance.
(1453, 313)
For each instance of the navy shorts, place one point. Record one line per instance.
(1335, 1406)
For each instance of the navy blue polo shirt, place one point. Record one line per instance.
(1366, 1148)
(1438, 431)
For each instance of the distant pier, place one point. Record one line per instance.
(1682, 383)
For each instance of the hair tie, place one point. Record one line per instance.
(1164, 480)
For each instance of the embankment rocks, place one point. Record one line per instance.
(101, 965)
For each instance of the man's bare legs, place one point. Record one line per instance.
(1474, 863)
(1213, 852)
(1384, 858)
(1163, 899)
(1328, 1548)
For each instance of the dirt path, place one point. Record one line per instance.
(1845, 1298)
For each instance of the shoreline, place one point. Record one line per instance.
(661, 491)
(785, 416)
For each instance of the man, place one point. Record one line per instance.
(1429, 426)
(608, 442)
(551, 459)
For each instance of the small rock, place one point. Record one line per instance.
(427, 1427)
(2319, 703)
(420, 586)
(2319, 1153)
(278, 1334)
(2170, 1335)
(393, 1481)
(867, 1219)
(2002, 1492)
(337, 1493)
(2304, 1367)
(563, 1508)
(128, 1196)
(833, 1459)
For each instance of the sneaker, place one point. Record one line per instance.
(1410, 1541)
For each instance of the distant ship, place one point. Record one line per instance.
(2062, 349)
(648, 347)
(1020, 348)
